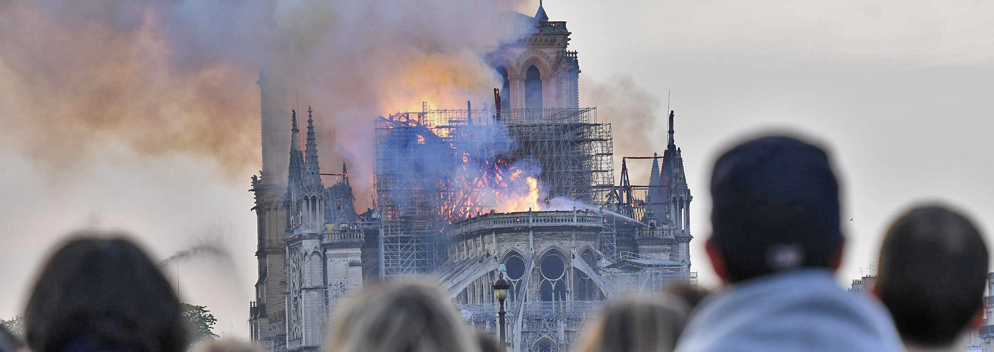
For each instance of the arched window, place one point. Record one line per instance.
(505, 89)
(313, 208)
(585, 289)
(533, 88)
(553, 286)
(544, 345)
(515, 266)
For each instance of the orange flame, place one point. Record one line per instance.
(526, 202)
(499, 187)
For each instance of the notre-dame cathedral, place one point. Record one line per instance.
(563, 231)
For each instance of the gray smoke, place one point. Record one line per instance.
(209, 255)
(196, 251)
(178, 76)
(118, 104)
(632, 112)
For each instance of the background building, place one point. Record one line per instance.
(863, 284)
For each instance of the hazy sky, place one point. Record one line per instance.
(898, 90)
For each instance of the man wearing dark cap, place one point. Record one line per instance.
(776, 244)
(933, 269)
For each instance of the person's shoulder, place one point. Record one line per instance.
(868, 318)
(790, 303)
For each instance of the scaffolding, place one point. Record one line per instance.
(575, 158)
(420, 156)
(410, 186)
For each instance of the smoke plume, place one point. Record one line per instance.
(178, 76)
(195, 251)
(632, 112)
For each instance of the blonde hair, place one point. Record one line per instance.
(400, 316)
(225, 345)
(636, 323)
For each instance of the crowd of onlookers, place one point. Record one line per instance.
(776, 243)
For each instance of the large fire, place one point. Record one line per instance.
(497, 186)
(486, 175)
(526, 202)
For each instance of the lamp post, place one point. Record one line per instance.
(501, 287)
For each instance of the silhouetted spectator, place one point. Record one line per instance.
(401, 316)
(98, 294)
(9, 342)
(776, 244)
(487, 341)
(636, 323)
(933, 268)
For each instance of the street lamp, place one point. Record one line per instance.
(501, 287)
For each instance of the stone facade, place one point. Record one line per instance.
(323, 257)
(557, 265)
(538, 70)
(311, 245)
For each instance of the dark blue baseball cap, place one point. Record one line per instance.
(775, 207)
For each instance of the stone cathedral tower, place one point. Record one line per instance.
(669, 197)
(538, 71)
(305, 201)
(309, 253)
(324, 256)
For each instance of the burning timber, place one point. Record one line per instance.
(527, 184)
(433, 167)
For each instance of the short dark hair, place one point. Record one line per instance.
(775, 207)
(103, 294)
(933, 267)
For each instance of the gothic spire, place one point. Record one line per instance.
(294, 174)
(654, 173)
(311, 168)
(294, 139)
(311, 141)
(672, 164)
(671, 129)
(656, 196)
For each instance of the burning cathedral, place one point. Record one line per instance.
(526, 187)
